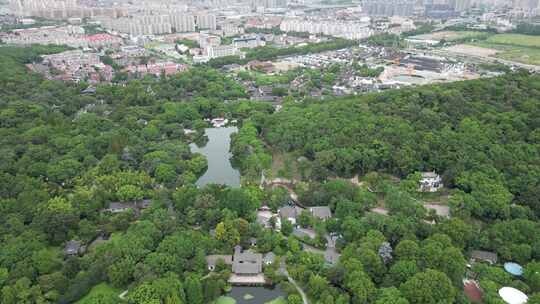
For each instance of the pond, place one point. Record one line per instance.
(257, 295)
(216, 151)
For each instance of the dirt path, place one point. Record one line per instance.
(283, 270)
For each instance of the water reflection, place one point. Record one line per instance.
(261, 295)
(216, 151)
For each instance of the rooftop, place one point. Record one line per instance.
(73, 247)
(472, 291)
(322, 212)
(431, 174)
(481, 255)
(247, 263)
(290, 211)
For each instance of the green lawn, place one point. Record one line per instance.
(527, 55)
(514, 47)
(515, 40)
(101, 291)
(451, 36)
(263, 79)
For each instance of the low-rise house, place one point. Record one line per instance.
(430, 182)
(89, 90)
(264, 215)
(484, 256)
(290, 213)
(265, 90)
(73, 248)
(321, 212)
(269, 258)
(117, 207)
(472, 291)
(219, 122)
(246, 263)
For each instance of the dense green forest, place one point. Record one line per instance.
(65, 156)
(481, 135)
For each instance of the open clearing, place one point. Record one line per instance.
(515, 40)
(513, 47)
(527, 55)
(472, 50)
(450, 35)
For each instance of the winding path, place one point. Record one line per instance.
(283, 270)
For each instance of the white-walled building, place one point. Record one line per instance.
(430, 182)
(206, 21)
(343, 29)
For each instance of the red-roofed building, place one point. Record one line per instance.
(103, 40)
(156, 69)
(472, 291)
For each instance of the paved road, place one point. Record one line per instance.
(283, 270)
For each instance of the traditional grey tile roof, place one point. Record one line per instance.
(486, 256)
(321, 212)
(247, 263)
(89, 90)
(118, 207)
(431, 174)
(269, 258)
(73, 247)
(290, 212)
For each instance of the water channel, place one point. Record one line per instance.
(220, 171)
(216, 151)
